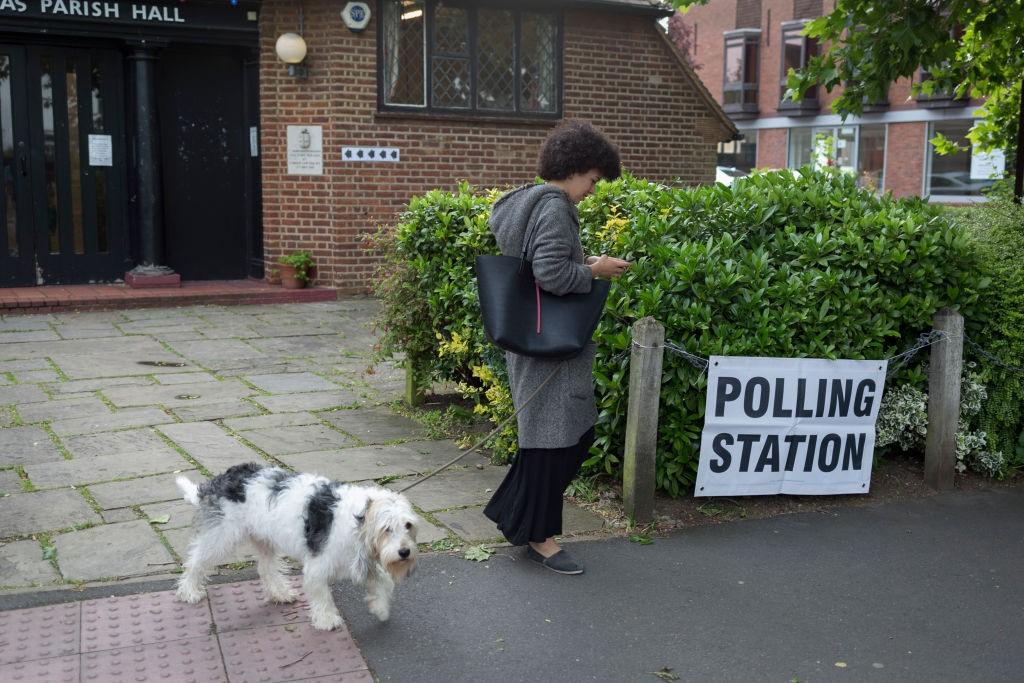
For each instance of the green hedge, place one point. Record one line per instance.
(997, 229)
(780, 264)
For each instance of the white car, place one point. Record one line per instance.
(727, 174)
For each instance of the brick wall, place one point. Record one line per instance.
(772, 147)
(618, 73)
(904, 158)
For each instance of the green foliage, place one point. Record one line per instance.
(301, 261)
(779, 264)
(997, 229)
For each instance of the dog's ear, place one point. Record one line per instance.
(361, 515)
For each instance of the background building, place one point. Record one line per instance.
(743, 49)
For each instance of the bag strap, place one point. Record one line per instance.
(528, 237)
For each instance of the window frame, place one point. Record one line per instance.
(518, 10)
(929, 156)
(856, 154)
(742, 37)
(808, 104)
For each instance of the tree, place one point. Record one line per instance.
(683, 35)
(967, 47)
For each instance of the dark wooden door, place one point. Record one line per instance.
(75, 107)
(205, 141)
(17, 255)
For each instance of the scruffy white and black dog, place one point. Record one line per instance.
(365, 534)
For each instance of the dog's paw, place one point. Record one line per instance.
(190, 595)
(327, 622)
(379, 608)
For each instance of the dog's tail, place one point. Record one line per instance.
(189, 490)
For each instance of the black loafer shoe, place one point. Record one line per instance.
(560, 562)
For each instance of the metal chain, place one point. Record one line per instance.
(992, 358)
(924, 340)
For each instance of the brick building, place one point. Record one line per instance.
(743, 48)
(188, 146)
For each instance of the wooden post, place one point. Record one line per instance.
(642, 419)
(944, 401)
(413, 385)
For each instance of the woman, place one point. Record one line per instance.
(556, 429)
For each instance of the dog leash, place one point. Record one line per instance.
(488, 437)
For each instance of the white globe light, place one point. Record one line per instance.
(290, 48)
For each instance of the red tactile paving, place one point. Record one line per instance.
(140, 620)
(194, 660)
(52, 670)
(54, 299)
(39, 633)
(293, 652)
(152, 637)
(237, 606)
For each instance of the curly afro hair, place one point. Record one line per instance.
(577, 147)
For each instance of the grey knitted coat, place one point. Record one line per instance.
(564, 410)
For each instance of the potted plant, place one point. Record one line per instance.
(296, 269)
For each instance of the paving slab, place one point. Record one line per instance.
(22, 564)
(100, 331)
(262, 653)
(576, 520)
(272, 420)
(131, 362)
(63, 409)
(295, 347)
(140, 619)
(429, 532)
(215, 411)
(469, 524)
(39, 633)
(179, 514)
(298, 439)
(129, 442)
(211, 446)
(24, 445)
(291, 383)
(155, 489)
(21, 393)
(450, 489)
(123, 419)
(121, 550)
(10, 482)
(186, 377)
(26, 364)
(208, 351)
(356, 464)
(36, 376)
(102, 468)
(315, 401)
(25, 323)
(375, 426)
(118, 515)
(7, 416)
(178, 395)
(30, 336)
(190, 659)
(28, 513)
(228, 332)
(80, 386)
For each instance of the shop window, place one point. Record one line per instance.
(797, 49)
(454, 57)
(740, 76)
(858, 150)
(965, 173)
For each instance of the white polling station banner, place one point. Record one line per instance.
(789, 425)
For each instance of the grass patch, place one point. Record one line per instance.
(87, 494)
(26, 484)
(64, 452)
(56, 368)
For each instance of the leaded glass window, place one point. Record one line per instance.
(454, 56)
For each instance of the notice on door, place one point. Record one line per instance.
(101, 150)
(305, 150)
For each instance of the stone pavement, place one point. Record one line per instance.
(100, 411)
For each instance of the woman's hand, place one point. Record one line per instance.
(607, 266)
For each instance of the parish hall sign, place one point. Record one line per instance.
(138, 13)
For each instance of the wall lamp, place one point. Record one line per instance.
(291, 49)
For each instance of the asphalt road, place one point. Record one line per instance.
(928, 590)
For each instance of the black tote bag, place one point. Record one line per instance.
(522, 318)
